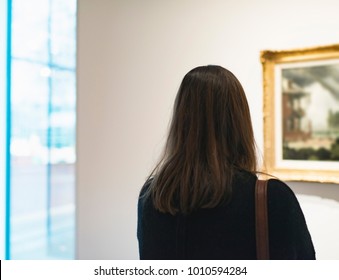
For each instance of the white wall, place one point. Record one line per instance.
(132, 56)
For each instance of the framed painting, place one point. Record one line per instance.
(301, 113)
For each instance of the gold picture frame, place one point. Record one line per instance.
(301, 113)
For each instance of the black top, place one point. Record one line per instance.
(227, 231)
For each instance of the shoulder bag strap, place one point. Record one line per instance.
(261, 220)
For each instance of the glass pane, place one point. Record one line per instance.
(61, 220)
(63, 27)
(30, 29)
(29, 99)
(62, 157)
(43, 108)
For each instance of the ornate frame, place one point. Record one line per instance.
(274, 62)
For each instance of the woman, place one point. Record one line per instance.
(198, 203)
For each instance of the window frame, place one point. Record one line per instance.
(5, 125)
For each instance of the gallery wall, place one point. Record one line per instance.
(132, 56)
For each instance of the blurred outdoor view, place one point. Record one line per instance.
(43, 119)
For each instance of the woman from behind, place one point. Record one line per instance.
(198, 203)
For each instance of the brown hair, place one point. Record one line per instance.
(210, 137)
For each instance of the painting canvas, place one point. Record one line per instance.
(310, 112)
(301, 113)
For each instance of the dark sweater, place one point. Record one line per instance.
(227, 231)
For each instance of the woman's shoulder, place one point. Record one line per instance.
(281, 196)
(144, 196)
(279, 188)
(145, 190)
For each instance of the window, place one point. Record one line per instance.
(42, 129)
(3, 126)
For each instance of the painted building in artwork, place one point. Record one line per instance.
(296, 125)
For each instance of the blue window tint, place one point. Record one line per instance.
(4, 126)
(43, 120)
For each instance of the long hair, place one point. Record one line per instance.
(210, 137)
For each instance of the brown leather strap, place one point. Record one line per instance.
(261, 220)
